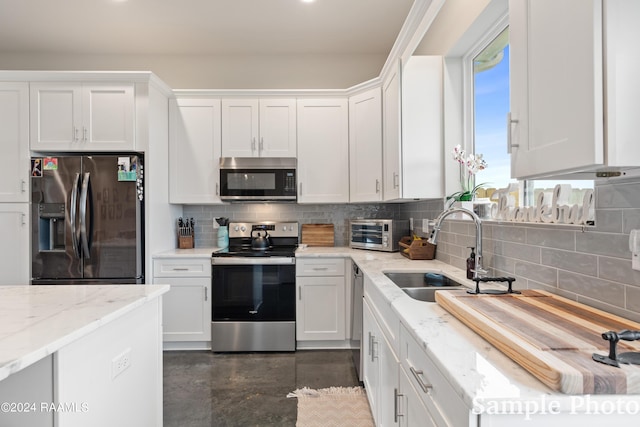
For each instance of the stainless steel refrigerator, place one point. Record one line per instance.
(87, 219)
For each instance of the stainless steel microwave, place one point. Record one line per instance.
(258, 179)
(377, 234)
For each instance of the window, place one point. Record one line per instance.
(488, 73)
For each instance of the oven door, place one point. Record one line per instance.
(254, 289)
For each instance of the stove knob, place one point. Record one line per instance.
(284, 228)
(243, 228)
(236, 228)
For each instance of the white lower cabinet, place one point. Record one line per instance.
(14, 249)
(321, 299)
(380, 371)
(186, 308)
(411, 410)
(444, 405)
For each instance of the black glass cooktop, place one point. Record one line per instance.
(287, 251)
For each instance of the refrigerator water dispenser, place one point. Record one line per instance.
(52, 234)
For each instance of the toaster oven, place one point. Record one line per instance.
(377, 234)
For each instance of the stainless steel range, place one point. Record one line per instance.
(253, 288)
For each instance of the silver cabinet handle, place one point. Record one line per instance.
(180, 269)
(217, 189)
(24, 219)
(374, 349)
(418, 376)
(206, 294)
(84, 133)
(369, 346)
(253, 144)
(75, 133)
(395, 180)
(377, 185)
(510, 121)
(396, 405)
(320, 268)
(300, 192)
(299, 293)
(23, 185)
(261, 146)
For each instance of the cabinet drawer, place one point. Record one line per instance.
(441, 400)
(182, 267)
(320, 266)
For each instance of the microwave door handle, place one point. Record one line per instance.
(86, 250)
(73, 208)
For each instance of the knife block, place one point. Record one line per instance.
(185, 238)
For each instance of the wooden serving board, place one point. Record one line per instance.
(551, 337)
(317, 234)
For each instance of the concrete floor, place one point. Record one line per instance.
(246, 389)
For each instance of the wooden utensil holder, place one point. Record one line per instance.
(417, 249)
(185, 238)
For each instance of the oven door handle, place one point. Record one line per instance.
(253, 260)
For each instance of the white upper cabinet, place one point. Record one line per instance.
(258, 128)
(323, 150)
(574, 86)
(365, 146)
(412, 114)
(391, 135)
(82, 117)
(15, 256)
(194, 151)
(14, 140)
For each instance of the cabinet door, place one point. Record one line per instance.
(556, 86)
(277, 128)
(320, 308)
(240, 128)
(323, 151)
(411, 410)
(14, 140)
(370, 363)
(389, 369)
(56, 116)
(365, 146)
(194, 147)
(14, 250)
(422, 128)
(108, 117)
(186, 309)
(391, 136)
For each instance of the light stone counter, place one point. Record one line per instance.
(187, 253)
(482, 375)
(37, 321)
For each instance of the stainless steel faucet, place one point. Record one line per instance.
(478, 271)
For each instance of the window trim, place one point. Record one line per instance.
(467, 72)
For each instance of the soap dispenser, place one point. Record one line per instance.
(471, 263)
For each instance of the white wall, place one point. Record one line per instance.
(220, 72)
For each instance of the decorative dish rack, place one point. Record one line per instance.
(417, 248)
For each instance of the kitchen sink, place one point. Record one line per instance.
(423, 286)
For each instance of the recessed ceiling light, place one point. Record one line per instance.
(308, 1)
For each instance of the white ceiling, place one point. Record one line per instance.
(200, 27)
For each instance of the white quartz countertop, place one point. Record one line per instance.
(477, 371)
(187, 253)
(36, 321)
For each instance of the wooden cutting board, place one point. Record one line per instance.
(317, 234)
(551, 337)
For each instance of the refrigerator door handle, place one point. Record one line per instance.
(73, 208)
(83, 216)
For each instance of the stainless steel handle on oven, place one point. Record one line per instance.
(72, 216)
(253, 260)
(418, 376)
(83, 216)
